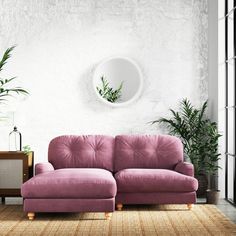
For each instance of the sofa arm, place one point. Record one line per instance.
(185, 168)
(43, 167)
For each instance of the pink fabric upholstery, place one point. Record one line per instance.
(148, 170)
(91, 151)
(147, 151)
(154, 180)
(43, 168)
(156, 198)
(71, 183)
(69, 205)
(185, 168)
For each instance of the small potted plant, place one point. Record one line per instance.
(28, 152)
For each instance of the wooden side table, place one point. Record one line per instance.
(15, 169)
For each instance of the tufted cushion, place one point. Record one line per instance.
(147, 151)
(154, 180)
(90, 151)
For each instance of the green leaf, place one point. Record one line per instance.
(108, 92)
(198, 134)
(5, 90)
(6, 56)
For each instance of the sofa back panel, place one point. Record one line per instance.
(90, 151)
(147, 151)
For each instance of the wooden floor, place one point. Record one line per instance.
(203, 219)
(225, 207)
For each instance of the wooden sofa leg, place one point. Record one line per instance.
(190, 206)
(108, 215)
(31, 215)
(119, 206)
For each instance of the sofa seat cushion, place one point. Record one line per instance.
(90, 183)
(154, 180)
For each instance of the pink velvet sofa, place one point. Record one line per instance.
(92, 173)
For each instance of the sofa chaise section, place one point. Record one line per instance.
(77, 178)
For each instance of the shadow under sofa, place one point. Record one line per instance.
(93, 173)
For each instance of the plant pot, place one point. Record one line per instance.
(202, 185)
(212, 196)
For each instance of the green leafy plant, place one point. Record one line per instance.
(27, 149)
(109, 93)
(5, 89)
(199, 136)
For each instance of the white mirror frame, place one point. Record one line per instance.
(97, 74)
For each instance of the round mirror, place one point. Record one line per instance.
(117, 81)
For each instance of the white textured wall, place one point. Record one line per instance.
(60, 42)
(213, 59)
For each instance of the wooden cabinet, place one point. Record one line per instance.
(15, 169)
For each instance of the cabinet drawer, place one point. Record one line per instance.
(11, 173)
(15, 169)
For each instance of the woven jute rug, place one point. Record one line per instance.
(132, 220)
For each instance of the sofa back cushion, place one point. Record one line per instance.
(147, 151)
(90, 151)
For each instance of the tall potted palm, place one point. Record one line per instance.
(199, 137)
(6, 90)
